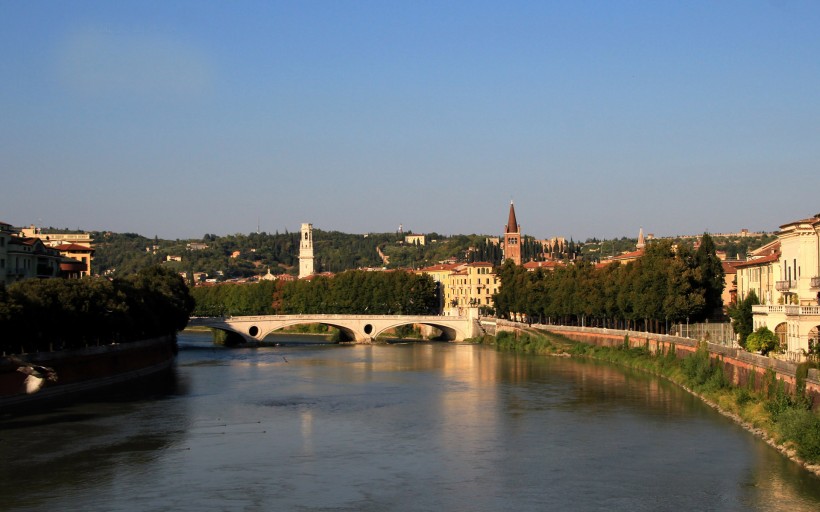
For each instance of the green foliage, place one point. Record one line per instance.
(351, 292)
(801, 427)
(235, 299)
(702, 373)
(741, 315)
(63, 313)
(712, 276)
(762, 340)
(664, 285)
(524, 342)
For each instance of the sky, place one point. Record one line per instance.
(176, 119)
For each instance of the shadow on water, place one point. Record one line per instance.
(85, 443)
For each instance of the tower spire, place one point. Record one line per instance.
(512, 224)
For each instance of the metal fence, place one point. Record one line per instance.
(718, 333)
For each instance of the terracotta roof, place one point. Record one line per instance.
(629, 255)
(729, 267)
(73, 247)
(810, 220)
(512, 223)
(758, 261)
(479, 264)
(769, 248)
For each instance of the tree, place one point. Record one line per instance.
(711, 276)
(741, 315)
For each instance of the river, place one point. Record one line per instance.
(398, 427)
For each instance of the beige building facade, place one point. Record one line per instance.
(464, 286)
(791, 288)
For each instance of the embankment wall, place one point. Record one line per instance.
(742, 368)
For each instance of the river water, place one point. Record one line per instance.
(399, 427)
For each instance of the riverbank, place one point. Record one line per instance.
(782, 421)
(35, 381)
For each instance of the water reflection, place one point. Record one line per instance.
(404, 427)
(86, 444)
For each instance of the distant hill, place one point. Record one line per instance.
(242, 256)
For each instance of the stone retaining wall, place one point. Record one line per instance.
(741, 367)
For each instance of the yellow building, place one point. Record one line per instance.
(464, 286)
(791, 308)
(415, 239)
(758, 273)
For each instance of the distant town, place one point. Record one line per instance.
(781, 268)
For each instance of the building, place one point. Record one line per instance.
(83, 254)
(54, 239)
(757, 274)
(29, 257)
(512, 238)
(629, 257)
(791, 308)
(729, 295)
(306, 267)
(463, 286)
(74, 246)
(6, 232)
(415, 239)
(24, 257)
(549, 266)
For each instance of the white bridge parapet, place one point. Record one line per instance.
(360, 328)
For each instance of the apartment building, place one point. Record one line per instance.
(464, 286)
(787, 281)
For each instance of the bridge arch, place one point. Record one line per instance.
(448, 333)
(347, 334)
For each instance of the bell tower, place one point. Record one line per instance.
(512, 238)
(306, 251)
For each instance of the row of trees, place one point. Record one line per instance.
(351, 292)
(38, 315)
(665, 285)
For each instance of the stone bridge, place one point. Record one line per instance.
(359, 328)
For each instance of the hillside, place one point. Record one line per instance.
(241, 256)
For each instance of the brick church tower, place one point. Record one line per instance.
(512, 238)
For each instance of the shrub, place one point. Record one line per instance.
(762, 340)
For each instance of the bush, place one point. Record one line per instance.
(701, 374)
(762, 340)
(801, 427)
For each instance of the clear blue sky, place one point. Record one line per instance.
(179, 118)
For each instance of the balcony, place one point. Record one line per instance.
(783, 286)
(787, 310)
(815, 282)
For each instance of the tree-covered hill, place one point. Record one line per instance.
(245, 255)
